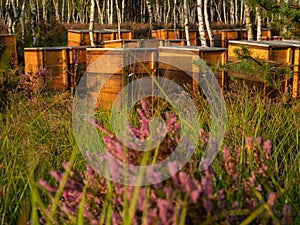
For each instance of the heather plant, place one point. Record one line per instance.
(239, 188)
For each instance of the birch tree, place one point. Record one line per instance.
(92, 19)
(201, 23)
(248, 22)
(151, 15)
(259, 24)
(186, 22)
(211, 37)
(119, 19)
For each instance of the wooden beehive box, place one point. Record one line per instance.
(183, 58)
(274, 52)
(8, 49)
(125, 34)
(119, 66)
(193, 36)
(65, 65)
(82, 37)
(173, 42)
(266, 51)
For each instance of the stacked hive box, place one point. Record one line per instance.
(8, 49)
(272, 52)
(175, 37)
(65, 65)
(82, 37)
(114, 68)
(183, 58)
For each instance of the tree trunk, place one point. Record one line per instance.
(63, 11)
(150, 12)
(224, 11)
(175, 18)
(8, 16)
(236, 7)
(259, 24)
(186, 22)
(248, 23)
(33, 23)
(123, 10)
(201, 23)
(211, 37)
(22, 21)
(55, 3)
(15, 15)
(119, 19)
(69, 12)
(100, 12)
(92, 19)
(44, 8)
(242, 13)
(232, 12)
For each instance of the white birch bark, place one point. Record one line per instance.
(63, 11)
(100, 12)
(22, 21)
(15, 16)
(44, 9)
(123, 10)
(119, 19)
(8, 16)
(150, 12)
(259, 24)
(248, 23)
(186, 22)
(92, 19)
(225, 11)
(33, 22)
(211, 37)
(175, 18)
(56, 8)
(201, 23)
(232, 21)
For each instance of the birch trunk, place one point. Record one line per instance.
(211, 37)
(259, 24)
(63, 11)
(224, 11)
(55, 3)
(92, 19)
(232, 12)
(119, 19)
(44, 8)
(69, 12)
(100, 12)
(236, 7)
(248, 23)
(8, 16)
(111, 11)
(123, 10)
(186, 22)
(201, 23)
(33, 22)
(242, 12)
(15, 15)
(22, 21)
(150, 12)
(175, 18)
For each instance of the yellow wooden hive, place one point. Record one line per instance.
(8, 49)
(65, 65)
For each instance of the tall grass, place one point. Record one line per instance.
(37, 138)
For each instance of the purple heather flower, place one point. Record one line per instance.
(271, 199)
(47, 186)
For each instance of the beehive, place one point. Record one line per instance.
(171, 34)
(65, 65)
(119, 66)
(82, 37)
(183, 58)
(266, 51)
(274, 52)
(8, 49)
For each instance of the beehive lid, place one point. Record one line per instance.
(266, 44)
(87, 31)
(193, 48)
(116, 30)
(46, 48)
(294, 43)
(121, 49)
